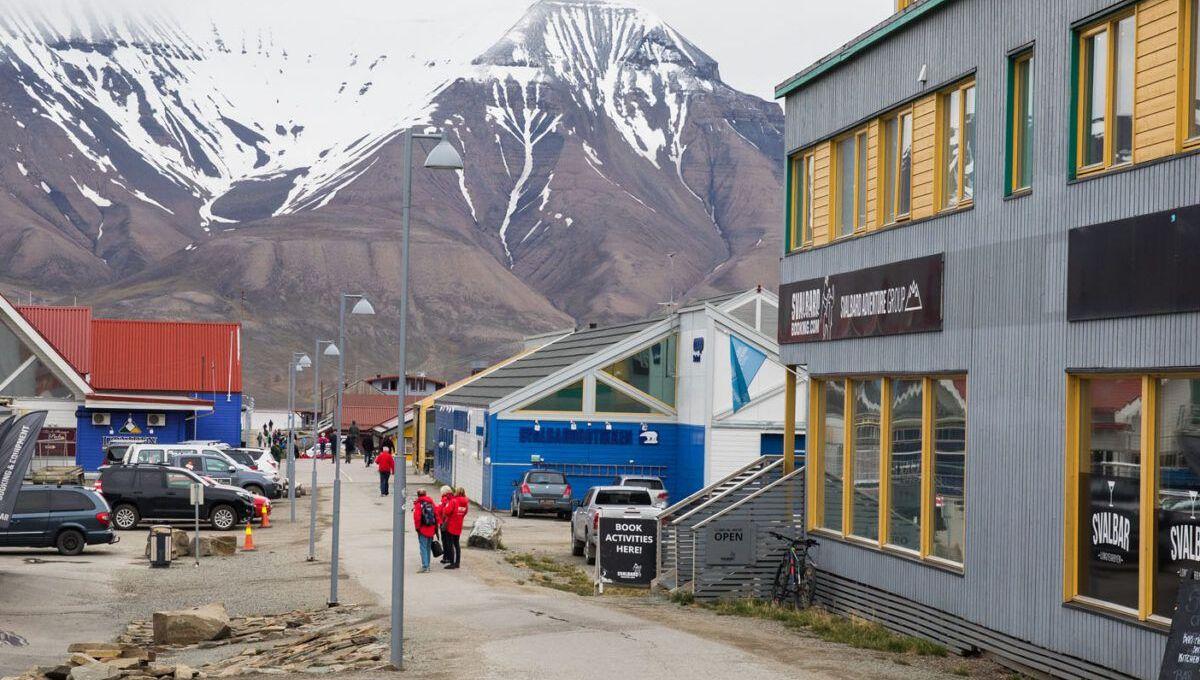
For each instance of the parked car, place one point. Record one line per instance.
(256, 459)
(63, 517)
(209, 462)
(611, 501)
(160, 492)
(658, 490)
(541, 491)
(262, 504)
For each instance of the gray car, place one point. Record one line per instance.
(63, 517)
(222, 471)
(541, 491)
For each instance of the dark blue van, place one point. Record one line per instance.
(63, 517)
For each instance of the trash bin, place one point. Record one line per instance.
(161, 546)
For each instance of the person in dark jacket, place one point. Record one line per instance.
(386, 465)
(455, 515)
(348, 446)
(423, 510)
(368, 450)
(353, 440)
(443, 507)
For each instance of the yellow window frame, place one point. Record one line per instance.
(1019, 85)
(890, 154)
(802, 205)
(1108, 25)
(944, 113)
(858, 222)
(1189, 56)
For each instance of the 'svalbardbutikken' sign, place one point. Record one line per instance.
(901, 297)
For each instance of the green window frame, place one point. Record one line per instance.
(1019, 148)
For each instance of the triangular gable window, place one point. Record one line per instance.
(651, 371)
(24, 375)
(612, 400)
(568, 399)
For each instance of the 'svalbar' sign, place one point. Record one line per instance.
(901, 297)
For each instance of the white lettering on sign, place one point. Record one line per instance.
(806, 312)
(1185, 542)
(1109, 528)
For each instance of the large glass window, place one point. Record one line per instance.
(949, 468)
(845, 186)
(651, 370)
(1177, 534)
(889, 136)
(958, 145)
(905, 471)
(896, 166)
(1107, 59)
(904, 169)
(568, 399)
(24, 375)
(833, 453)
(803, 168)
(1020, 132)
(612, 400)
(864, 505)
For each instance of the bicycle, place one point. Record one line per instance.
(796, 576)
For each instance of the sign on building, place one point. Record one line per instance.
(628, 551)
(896, 298)
(729, 544)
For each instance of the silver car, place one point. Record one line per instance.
(610, 501)
(658, 490)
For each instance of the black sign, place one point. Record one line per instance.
(628, 551)
(1134, 267)
(17, 443)
(1181, 659)
(901, 297)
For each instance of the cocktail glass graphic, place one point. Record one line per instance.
(1111, 486)
(1192, 495)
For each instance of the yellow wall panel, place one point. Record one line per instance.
(924, 154)
(1156, 82)
(821, 195)
(872, 174)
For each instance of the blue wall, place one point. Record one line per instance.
(223, 424)
(511, 443)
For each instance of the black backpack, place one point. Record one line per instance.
(428, 517)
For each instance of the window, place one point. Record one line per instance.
(896, 167)
(1020, 122)
(957, 146)
(612, 400)
(31, 502)
(1106, 81)
(178, 480)
(903, 488)
(803, 167)
(70, 501)
(851, 189)
(651, 371)
(215, 465)
(546, 478)
(569, 398)
(1134, 492)
(622, 497)
(1191, 108)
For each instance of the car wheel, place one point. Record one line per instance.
(69, 542)
(520, 512)
(223, 518)
(589, 552)
(512, 508)
(576, 547)
(254, 489)
(125, 517)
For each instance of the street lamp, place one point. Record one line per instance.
(300, 361)
(330, 351)
(442, 157)
(362, 307)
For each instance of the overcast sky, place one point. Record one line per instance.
(760, 43)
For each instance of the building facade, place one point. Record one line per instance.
(688, 397)
(993, 220)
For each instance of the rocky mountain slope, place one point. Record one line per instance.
(147, 171)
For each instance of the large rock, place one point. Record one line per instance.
(95, 671)
(218, 545)
(485, 533)
(181, 544)
(189, 626)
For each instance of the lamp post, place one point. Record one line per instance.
(300, 361)
(361, 307)
(442, 157)
(331, 351)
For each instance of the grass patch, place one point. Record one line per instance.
(682, 598)
(551, 573)
(848, 631)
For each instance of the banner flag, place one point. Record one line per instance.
(744, 360)
(17, 443)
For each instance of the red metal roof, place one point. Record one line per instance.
(67, 329)
(369, 410)
(166, 356)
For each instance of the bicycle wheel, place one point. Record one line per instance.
(779, 587)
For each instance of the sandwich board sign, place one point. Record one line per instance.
(1181, 658)
(627, 553)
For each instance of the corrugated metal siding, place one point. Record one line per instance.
(1005, 318)
(67, 329)
(165, 356)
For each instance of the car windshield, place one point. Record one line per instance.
(546, 478)
(622, 497)
(655, 484)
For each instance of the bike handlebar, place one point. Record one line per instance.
(807, 542)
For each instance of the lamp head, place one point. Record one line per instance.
(304, 361)
(444, 157)
(331, 350)
(363, 307)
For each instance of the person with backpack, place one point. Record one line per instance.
(425, 519)
(456, 515)
(386, 465)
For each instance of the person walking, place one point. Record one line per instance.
(324, 442)
(348, 447)
(355, 440)
(454, 526)
(386, 465)
(369, 451)
(445, 507)
(425, 519)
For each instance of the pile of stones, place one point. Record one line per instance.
(108, 661)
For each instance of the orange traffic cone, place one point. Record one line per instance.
(248, 546)
(266, 517)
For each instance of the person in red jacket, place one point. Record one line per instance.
(443, 507)
(426, 519)
(454, 514)
(386, 465)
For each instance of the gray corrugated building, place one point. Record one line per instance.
(990, 275)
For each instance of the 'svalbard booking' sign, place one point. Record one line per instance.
(901, 297)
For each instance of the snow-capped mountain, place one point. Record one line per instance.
(208, 163)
